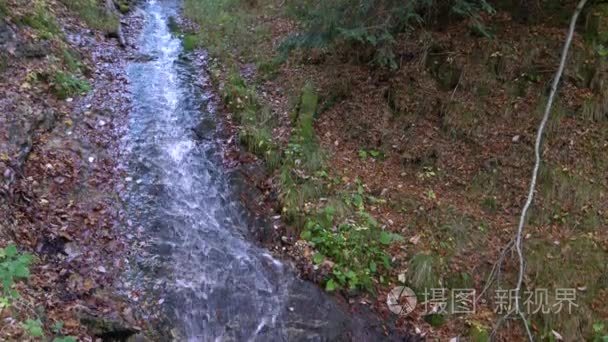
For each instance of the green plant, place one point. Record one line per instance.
(3, 9)
(356, 249)
(57, 326)
(33, 327)
(71, 60)
(65, 339)
(93, 14)
(367, 27)
(471, 9)
(13, 266)
(599, 332)
(123, 6)
(301, 172)
(256, 122)
(42, 20)
(374, 154)
(478, 332)
(66, 85)
(190, 42)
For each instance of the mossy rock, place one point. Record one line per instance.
(37, 49)
(596, 27)
(307, 110)
(107, 328)
(124, 6)
(190, 42)
(173, 25)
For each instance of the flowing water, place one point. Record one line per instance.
(218, 285)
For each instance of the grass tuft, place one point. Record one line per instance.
(42, 20)
(424, 272)
(66, 85)
(94, 15)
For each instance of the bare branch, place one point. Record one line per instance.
(538, 160)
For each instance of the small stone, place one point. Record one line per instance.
(91, 159)
(128, 179)
(401, 277)
(516, 138)
(72, 250)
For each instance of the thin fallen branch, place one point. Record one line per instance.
(495, 272)
(538, 160)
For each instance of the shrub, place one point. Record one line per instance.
(356, 247)
(13, 266)
(369, 26)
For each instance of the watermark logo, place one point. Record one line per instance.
(401, 300)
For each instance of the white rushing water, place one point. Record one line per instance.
(218, 286)
(221, 286)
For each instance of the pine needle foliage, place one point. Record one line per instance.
(367, 24)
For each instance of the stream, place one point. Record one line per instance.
(217, 284)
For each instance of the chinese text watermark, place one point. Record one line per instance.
(402, 300)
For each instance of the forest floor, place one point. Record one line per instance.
(441, 151)
(63, 89)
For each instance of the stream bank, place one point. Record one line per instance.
(63, 98)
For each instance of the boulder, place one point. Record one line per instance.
(205, 129)
(108, 328)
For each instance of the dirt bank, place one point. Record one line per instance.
(63, 99)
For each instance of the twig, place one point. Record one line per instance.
(495, 272)
(538, 160)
